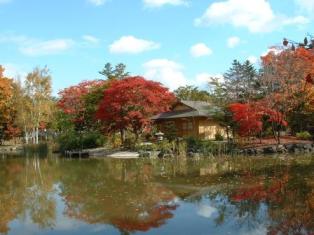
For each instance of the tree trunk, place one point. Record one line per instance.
(26, 135)
(33, 136)
(122, 134)
(36, 135)
(278, 136)
(228, 135)
(136, 136)
(274, 132)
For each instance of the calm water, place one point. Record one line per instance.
(238, 196)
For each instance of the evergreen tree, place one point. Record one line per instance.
(191, 93)
(241, 82)
(114, 73)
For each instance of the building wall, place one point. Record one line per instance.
(208, 128)
(193, 127)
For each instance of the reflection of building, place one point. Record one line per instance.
(190, 118)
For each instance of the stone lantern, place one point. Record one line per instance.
(160, 136)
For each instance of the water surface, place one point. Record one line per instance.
(264, 195)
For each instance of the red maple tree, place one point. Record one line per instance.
(249, 117)
(71, 99)
(129, 104)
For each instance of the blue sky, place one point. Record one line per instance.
(176, 42)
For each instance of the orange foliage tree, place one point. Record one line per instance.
(6, 106)
(287, 80)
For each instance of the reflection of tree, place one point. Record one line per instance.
(138, 195)
(295, 212)
(39, 202)
(10, 193)
(26, 190)
(118, 193)
(251, 191)
(286, 193)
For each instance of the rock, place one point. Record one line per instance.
(308, 147)
(269, 150)
(290, 147)
(165, 154)
(298, 150)
(259, 151)
(281, 149)
(299, 146)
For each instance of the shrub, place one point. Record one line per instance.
(207, 147)
(193, 144)
(165, 146)
(219, 137)
(93, 140)
(73, 140)
(304, 135)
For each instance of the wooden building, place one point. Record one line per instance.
(190, 119)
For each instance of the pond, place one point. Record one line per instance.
(241, 195)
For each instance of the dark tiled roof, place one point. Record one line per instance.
(198, 109)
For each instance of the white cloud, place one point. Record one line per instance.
(132, 45)
(14, 71)
(35, 47)
(206, 211)
(233, 41)
(200, 49)
(307, 5)
(202, 79)
(255, 15)
(274, 50)
(49, 47)
(165, 71)
(11, 38)
(97, 2)
(298, 20)
(160, 3)
(90, 39)
(252, 59)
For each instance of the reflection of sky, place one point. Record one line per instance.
(63, 224)
(206, 211)
(189, 218)
(198, 218)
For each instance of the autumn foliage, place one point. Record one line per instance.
(288, 75)
(71, 99)
(7, 109)
(249, 117)
(131, 102)
(6, 93)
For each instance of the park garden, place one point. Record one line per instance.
(268, 104)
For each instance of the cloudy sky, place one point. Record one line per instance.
(176, 42)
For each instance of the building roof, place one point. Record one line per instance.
(197, 109)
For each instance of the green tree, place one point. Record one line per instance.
(219, 98)
(241, 82)
(191, 93)
(119, 72)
